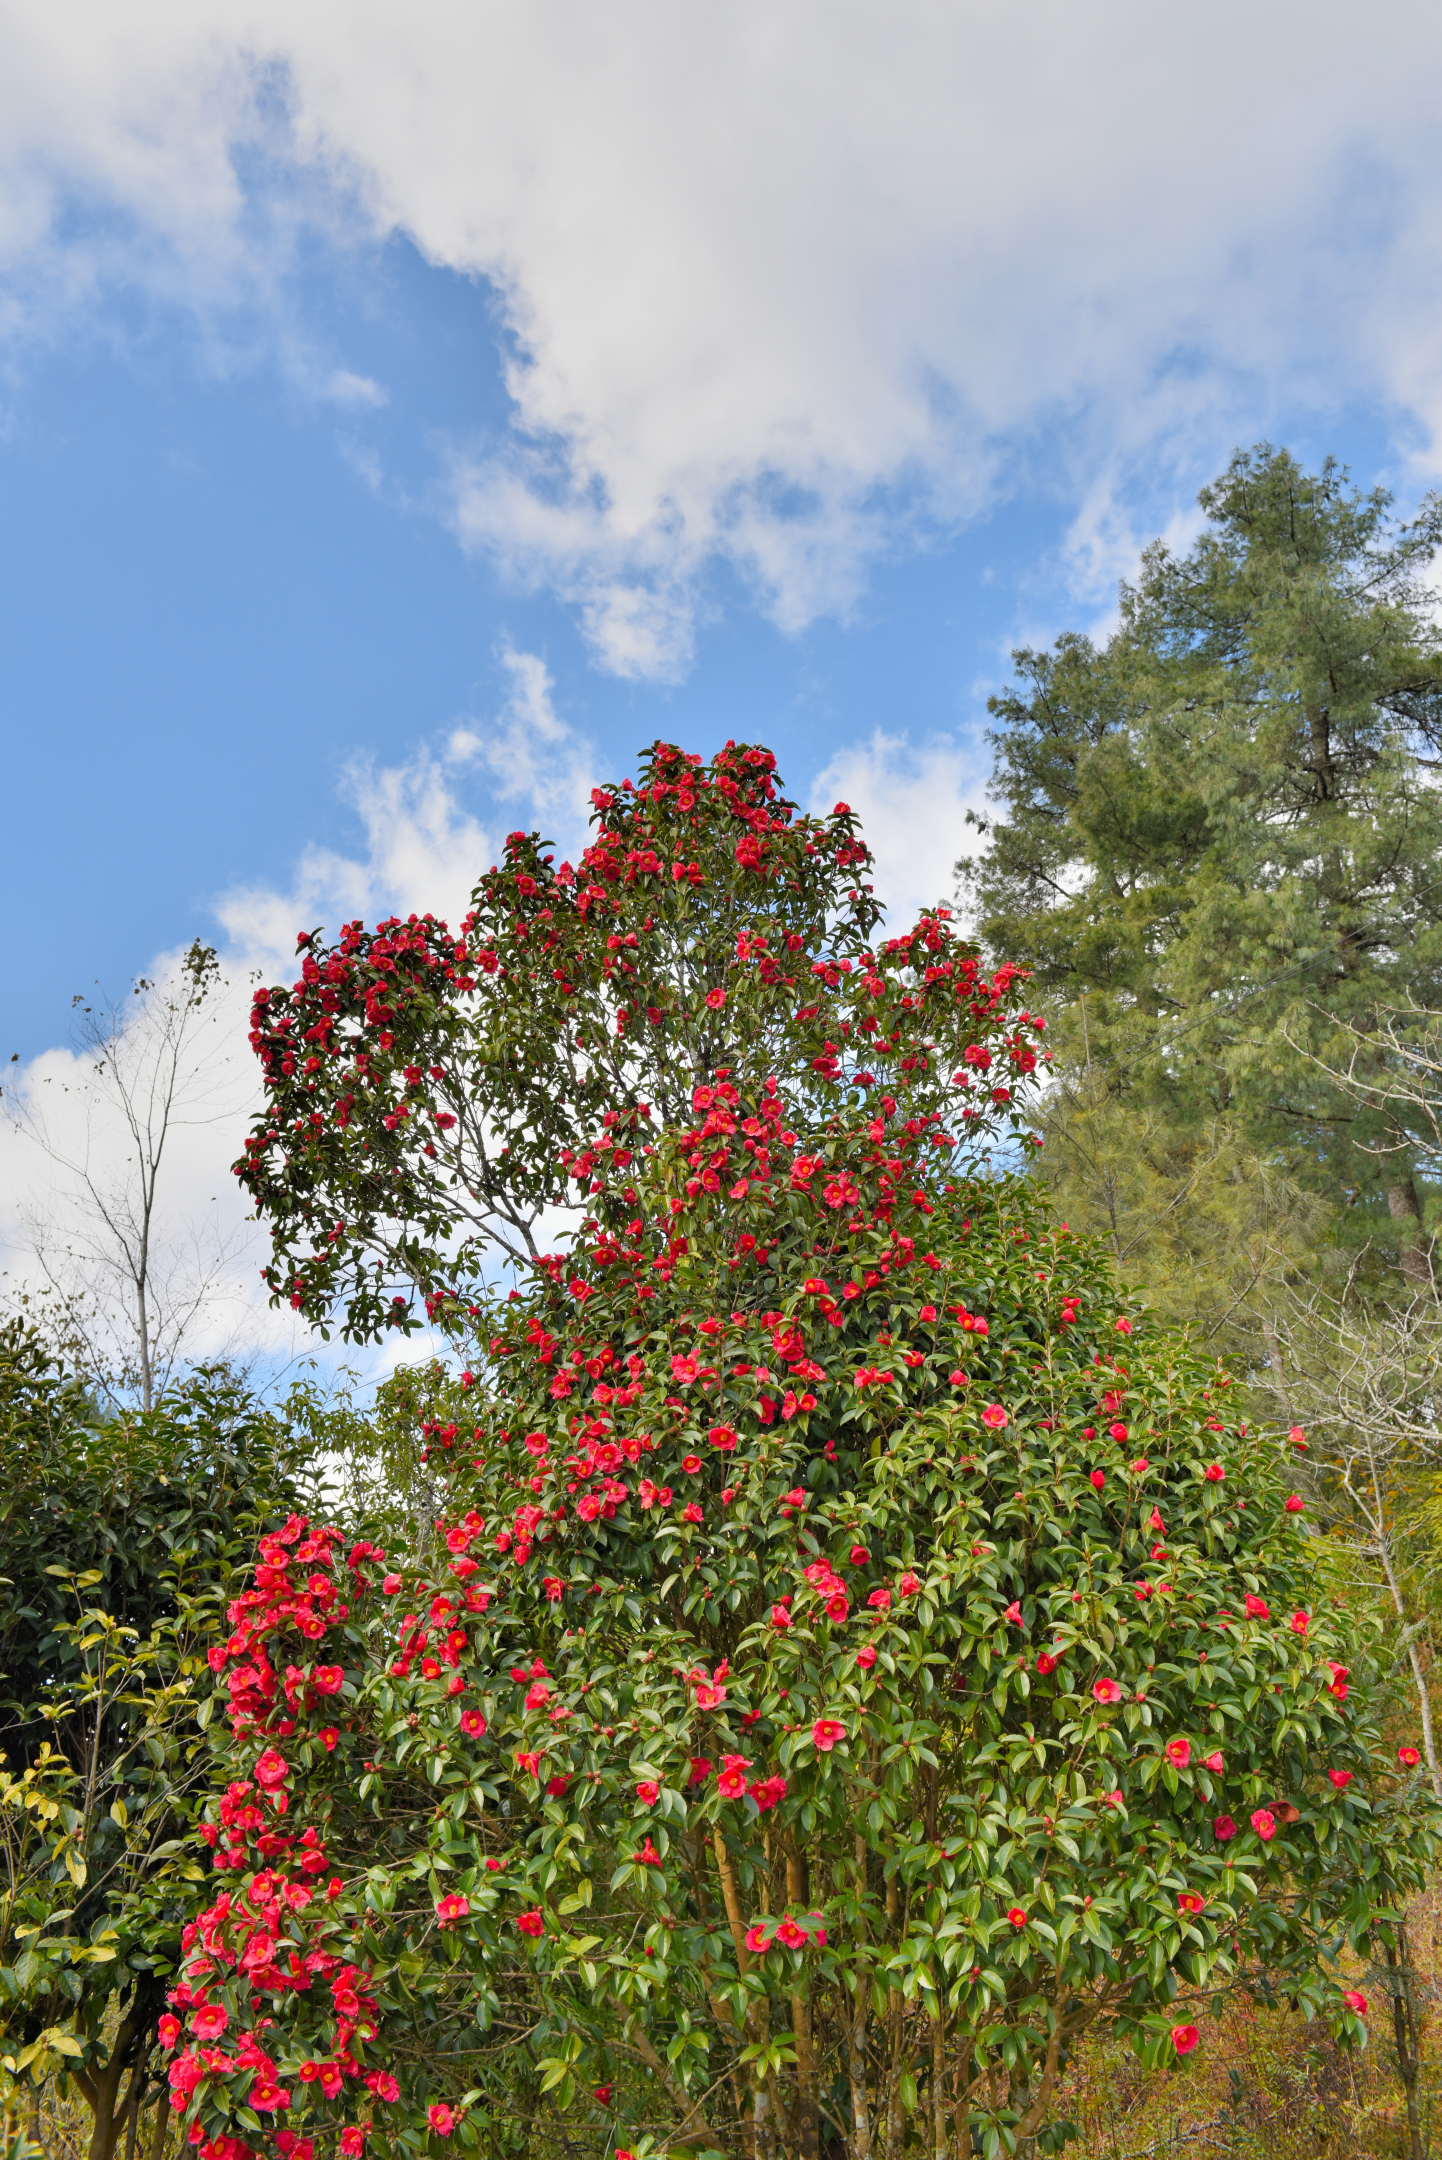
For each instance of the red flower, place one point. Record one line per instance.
(994, 1416)
(169, 2030)
(866, 1658)
(1408, 1757)
(1265, 1824)
(1355, 2000)
(780, 1617)
(440, 2118)
(1299, 1623)
(757, 1937)
(732, 1781)
(1046, 1664)
(327, 1679)
(858, 1556)
(1190, 1901)
(1107, 1691)
(768, 1792)
(1098, 1478)
(701, 1768)
(648, 1792)
(328, 1736)
(473, 1723)
(1341, 1779)
(1294, 1503)
(1214, 1762)
(715, 999)
(1017, 1917)
(1184, 2038)
(272, 1770)
(908, 1585)
(1223, 1828)
(1179, 1753)
(1124, 1327)
(825, 1733)
(452, 1908)
(210, 2022)
(1257, 1608)
(794, 1937)
(530, 1923)
(722, 1436)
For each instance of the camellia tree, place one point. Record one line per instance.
(855, 1657)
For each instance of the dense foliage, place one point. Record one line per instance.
(854, 1656)
(1217, 841)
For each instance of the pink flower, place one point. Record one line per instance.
(272, 1770)
(440, 2118)
(1184, 2038)
(732, 1782)
(780, 1617)
(880, 1601)
(994, 1416)
(1107, 1691)
(825, 1733)
(858, 1556)
(328, 1736)
(866, 1658)
(1179, 1753)
(715, 999)
(1214, 1763)
(1124, 1327)
(1190, 1901)
(757, 1937)
(168, 2030)
(1265, 1824)
(908, 1585)
(722, 1436)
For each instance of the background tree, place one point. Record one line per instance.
(120, 1539)
(123, 1280)
(1222, 826)
(855, 1662)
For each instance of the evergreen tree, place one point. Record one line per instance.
(1223, 827)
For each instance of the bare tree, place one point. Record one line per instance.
(123, 1279)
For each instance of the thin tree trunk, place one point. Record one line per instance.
(1412, 1255)
(1414, 1659)
(807, 2117)
(1406, 2034)
(162, 2124)
(856, 2034)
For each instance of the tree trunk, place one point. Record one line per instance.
(1413, 1258)
(807, 2111)
(1406, 2034)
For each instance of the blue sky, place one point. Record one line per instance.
(406, 414)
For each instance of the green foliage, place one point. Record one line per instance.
(855, 1657)
(1222, 826)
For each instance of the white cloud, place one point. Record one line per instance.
(912, 801)
(782, 284)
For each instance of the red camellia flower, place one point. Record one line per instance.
(721, 1436)
(825, 1733)
(168, 2030)
(1017, 1917)
(908, 1585)
(327, 1679)
(440, 2118)
(1190, 1901)
(866, 1658)
(1340, 1778)
(858, 1556)
(690, 1464)
(210, 2022)
(1257, 1608)
(1265, 1824)
(1299, 1623)
(1179, 1752)
(1214, 1762)
(701, 1768)
(880, 1601)
(1355, 2000)
(1408, 1757)
(452, 1908)
(1294, 1503)
(1214, 1473)
(1098, 1478)
(328, 1736)
(756, 1936)
(780, 1617)
(1107, 1691)
(1184, 2038)
(732, 1782)
(794, 1937)
(272, 1770)
(1223, 1828)
(1045, 1664)
(473, 1723)
(994, 1416)
(648, 1792)
(531, 1923)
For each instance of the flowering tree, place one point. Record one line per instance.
(855, 1658)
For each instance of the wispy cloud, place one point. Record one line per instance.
(912, 799)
